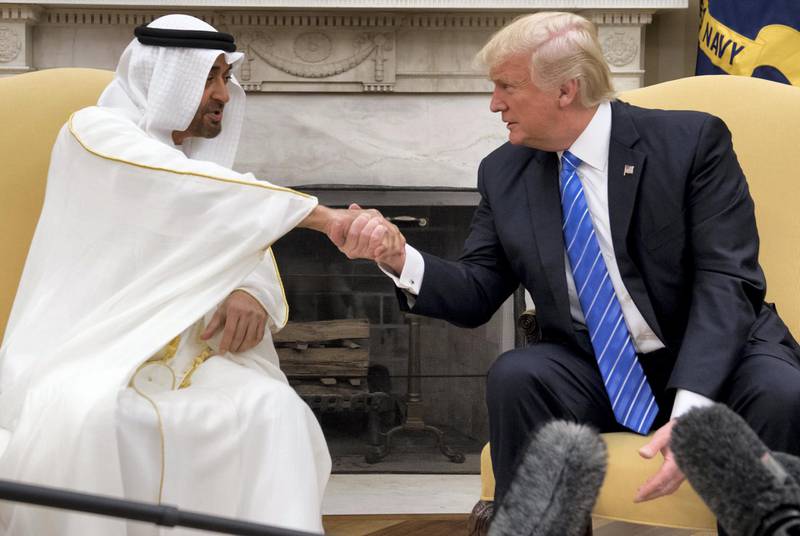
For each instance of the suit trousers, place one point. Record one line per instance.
(527, 387)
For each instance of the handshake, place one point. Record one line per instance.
(361, 234)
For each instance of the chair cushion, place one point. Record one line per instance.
(626, 472)
(35, 106)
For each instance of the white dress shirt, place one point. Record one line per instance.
(591, 148)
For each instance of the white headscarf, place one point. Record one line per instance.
(160, 88)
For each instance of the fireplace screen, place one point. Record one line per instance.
(401, 393)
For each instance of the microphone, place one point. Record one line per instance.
(556, 483)
(790, 463)
(752, 491)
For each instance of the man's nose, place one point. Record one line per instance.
(496, 104)
(221, 92)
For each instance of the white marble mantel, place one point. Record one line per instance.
(377, 92)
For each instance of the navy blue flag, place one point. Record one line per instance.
(758, 38)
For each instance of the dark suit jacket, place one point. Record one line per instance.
(684, 236)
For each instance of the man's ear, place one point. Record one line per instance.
(568, 92)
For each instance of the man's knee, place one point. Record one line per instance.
(768, 384)
(778, 400)
(766, 392)
(279, 395)
(267, 399)
(517, 372)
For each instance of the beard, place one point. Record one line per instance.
(204, 125)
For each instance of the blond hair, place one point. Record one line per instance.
(561, 47)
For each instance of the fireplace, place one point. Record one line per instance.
(322, 284)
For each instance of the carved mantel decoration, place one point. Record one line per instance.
(620, 49)
(355, 59)
(15, 38)
(338, 46)
(10, 44)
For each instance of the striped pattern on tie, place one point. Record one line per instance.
(627, 387)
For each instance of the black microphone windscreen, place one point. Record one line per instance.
(731, 469)
(556, 483)
(790, 463)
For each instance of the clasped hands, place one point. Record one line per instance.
(366, 234)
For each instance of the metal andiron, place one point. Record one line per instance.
(414, 421)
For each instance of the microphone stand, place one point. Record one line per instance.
(168, 516)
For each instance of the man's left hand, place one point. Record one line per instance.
(669, 477)
(243, 319)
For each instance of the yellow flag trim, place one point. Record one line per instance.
(775, 45)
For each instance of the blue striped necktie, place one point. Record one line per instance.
(630, 395)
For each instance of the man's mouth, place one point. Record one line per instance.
(215, 115)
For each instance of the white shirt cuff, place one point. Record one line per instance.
(410, 280)
(686, 400)
(413, 270)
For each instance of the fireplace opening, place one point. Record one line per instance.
(321, 284)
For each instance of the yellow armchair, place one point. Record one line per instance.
(35, 106)
(764, 118)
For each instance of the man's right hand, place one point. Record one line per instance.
(371, 236)
(333, 222)
(360, 234)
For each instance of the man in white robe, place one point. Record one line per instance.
(131, 365)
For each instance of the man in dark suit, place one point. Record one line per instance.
(634, 232)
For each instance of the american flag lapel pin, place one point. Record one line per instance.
(628, 170)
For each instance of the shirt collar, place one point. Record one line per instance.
(592, 145)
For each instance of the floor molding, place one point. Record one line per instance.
(379, 494)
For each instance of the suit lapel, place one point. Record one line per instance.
(541, 182)
(625, 167)
(624, 172)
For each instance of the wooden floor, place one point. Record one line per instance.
(396, 525)
(455, 525)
